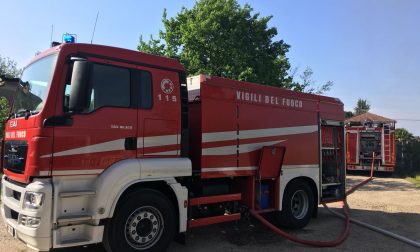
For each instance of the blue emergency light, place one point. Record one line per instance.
(69, 38)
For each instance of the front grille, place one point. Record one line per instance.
(368, 162)
(16, 195)
(14, 214)
(15, 153)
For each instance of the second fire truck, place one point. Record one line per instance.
(370, 136)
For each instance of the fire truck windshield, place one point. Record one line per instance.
(33, 89)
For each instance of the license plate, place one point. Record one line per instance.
(11, 230)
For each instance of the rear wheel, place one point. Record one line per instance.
(298, 205)
(143, 221)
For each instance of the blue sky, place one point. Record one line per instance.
(369, 48)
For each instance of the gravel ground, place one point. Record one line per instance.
(389, 203)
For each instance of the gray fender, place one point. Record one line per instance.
(112, 183)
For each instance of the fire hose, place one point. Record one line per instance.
(346, 217)
(342, 237)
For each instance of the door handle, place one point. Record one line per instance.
(130, 143)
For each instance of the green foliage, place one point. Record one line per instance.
(307, 83)
(219, 37)
(415, 179)
(403, 135)
(362, 106)
(9, 68)
(348, 114)
(4, 111)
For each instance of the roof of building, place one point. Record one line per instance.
(369, 117)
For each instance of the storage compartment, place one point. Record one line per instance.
(267, 194)
(264, 196)
(332, 160)
(370, 142)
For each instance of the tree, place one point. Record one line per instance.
(362, 106)
(403, 135)
(4, 111)
(219, 37)
(307, 83)
(9, 68)
(348, 114)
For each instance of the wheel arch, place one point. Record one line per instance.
(124, 177)
(157, 185)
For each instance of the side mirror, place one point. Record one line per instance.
(79, 96)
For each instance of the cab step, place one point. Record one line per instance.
(77, 235)
(213, 220)
(74, 218)
(74, 241)
(214, 199)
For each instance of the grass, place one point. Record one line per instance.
(414, 179)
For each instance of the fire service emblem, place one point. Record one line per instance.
(167, 86)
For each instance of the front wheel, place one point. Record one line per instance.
(143, 221)
(298, 205)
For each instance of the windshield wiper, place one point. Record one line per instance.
(25, 112)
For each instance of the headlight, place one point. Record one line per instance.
(33, 200)
(29, 221)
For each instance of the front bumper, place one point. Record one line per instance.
(14, 214)
(368, 168)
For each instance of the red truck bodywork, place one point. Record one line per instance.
(233, 119)
(221, 141)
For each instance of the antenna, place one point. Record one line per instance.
(94, 27)
(52, 31)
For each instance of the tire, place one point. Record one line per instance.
(144, 220)
(298, 205)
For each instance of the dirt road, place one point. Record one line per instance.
(389, 203)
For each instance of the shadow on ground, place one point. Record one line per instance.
(250, 235)
(381, 184)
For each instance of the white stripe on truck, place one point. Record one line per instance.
(247, 134)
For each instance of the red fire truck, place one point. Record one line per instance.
(367, 134)
(124, 149)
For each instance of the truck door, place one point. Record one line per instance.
(106, 131)
(159, 113)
